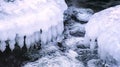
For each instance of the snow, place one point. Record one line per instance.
(104, 26)
(109, 44)
(24, 18)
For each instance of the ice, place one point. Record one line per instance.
(96, 26)
(58, 29)
(32, 40)
(24, 18)
(12, 44)
(28, 41)
(44, 37)
(37, 36)
(104, 27)
(2, 46)
(49, 35)
(109, 44)
(54, 32)
(20, 41)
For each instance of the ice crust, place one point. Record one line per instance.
(23, 18)
(104, 26)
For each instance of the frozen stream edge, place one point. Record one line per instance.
(40, 20)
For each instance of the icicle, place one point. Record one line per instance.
(3, 35)
(59, 32)
(37, 36)
(54, 32)
(58, 29)
(12, 44)
(32, 39)
(20, 41)
(49, 35)
(28, 42)
(44, 37)
(2, 46)
(60, 38)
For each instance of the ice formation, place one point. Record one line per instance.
(104, 26)
(21, 18)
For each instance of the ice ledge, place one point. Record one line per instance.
(27, 18)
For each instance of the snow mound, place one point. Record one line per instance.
(21, 18)
(104, 26)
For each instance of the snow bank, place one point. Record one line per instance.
(101, 21)
(21, 18)
(104, 26)
(109, 44)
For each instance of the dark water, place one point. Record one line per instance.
(96, 5)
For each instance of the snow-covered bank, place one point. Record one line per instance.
(104, 27)
(21, 18)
